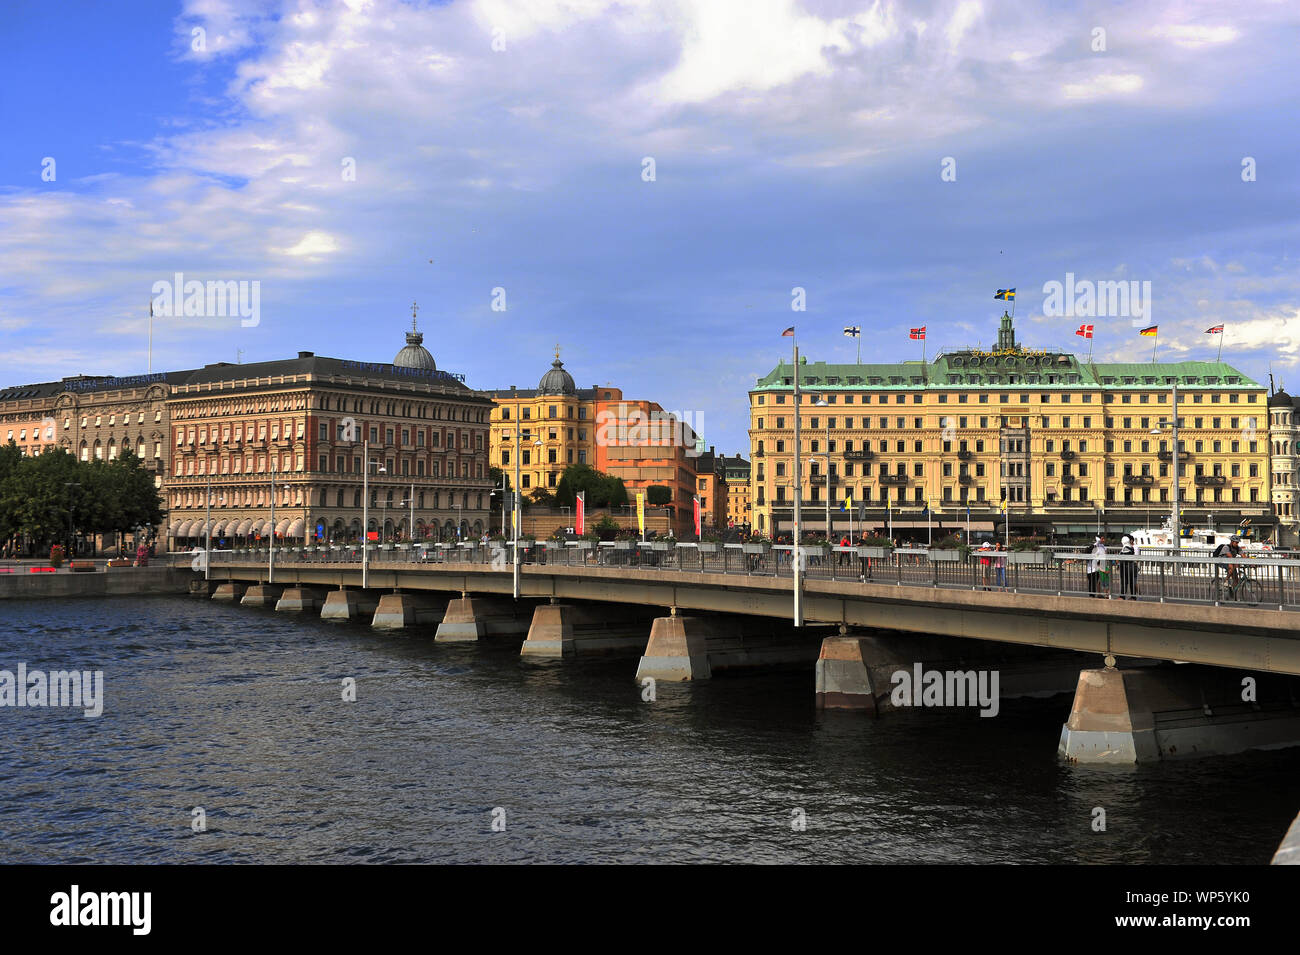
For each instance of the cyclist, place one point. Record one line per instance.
(1232, 549)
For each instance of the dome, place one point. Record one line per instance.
(557, 381)
(414, 355)
(1279, 398)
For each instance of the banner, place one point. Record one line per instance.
(580, 514)
(372, 535)
(696, 503)
(640, 512)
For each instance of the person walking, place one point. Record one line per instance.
(1096, 566)
(986, 562)
(1000, 564)
(1128, 571)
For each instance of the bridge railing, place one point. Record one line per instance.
(1266, 582)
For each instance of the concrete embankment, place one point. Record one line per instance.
(113, 582)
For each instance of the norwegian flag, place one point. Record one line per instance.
(918, 334)
(1084, 331)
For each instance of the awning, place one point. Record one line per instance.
(176, 526)
(218, 528)
(295, 529)
(244, 527)
(184, 530)
(255, 527)
(281, 527)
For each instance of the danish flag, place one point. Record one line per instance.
(1084, 331)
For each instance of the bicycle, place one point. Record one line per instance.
(1244, 589)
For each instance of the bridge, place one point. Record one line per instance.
(692, 612)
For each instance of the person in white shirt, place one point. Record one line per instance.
(1096, 564)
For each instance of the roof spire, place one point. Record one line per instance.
(557, 351)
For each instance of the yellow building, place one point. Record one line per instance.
(736, 477)
(1069, 445)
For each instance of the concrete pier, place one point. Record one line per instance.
(677, 650)
(348, 605)
(856, 672)
(298, 599)
(400, 610)
(262, 595)
(470, 618)
(1288, 853)
(1177, 712)
(551, 632)
(231, 592)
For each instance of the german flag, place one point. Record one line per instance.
(1149, 331)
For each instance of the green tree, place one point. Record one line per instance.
(658, 495)
(601, 489)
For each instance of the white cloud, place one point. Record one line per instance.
(1103, 86)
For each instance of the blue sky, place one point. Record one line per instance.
(795, 144)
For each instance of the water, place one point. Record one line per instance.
(239, 712)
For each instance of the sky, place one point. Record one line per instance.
(644, 183)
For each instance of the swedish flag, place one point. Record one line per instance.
(1005, 293)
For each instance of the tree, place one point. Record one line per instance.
(658, 495)
(601, 489)
(542, 497)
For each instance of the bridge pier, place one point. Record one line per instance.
(348, 605)
(676, 651)
(694, 647)
(231, 591)
(297, 599)
(262, 595)
(856, 672)
(551, 632)
(398, 610)
(1176, 712)
(469, 618)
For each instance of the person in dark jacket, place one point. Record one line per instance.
(1128, 571)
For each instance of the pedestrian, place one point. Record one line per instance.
(986, 562)
(1128, 571)
(844, 555)
(1000, 564)
(1096, 566)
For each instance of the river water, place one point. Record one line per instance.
(239, 712)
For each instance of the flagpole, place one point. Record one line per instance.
(798, 486)
(1156, 336)
(150, 365)
(1221, 334)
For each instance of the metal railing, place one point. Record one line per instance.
(1263, 582)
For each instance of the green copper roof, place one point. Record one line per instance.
(1007, 367)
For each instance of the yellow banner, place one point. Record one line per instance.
(640, 512)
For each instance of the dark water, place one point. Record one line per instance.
(239, 711)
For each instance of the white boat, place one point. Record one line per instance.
(1195, 540)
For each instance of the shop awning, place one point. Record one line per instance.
(244, 527)
(281, 528)
(295, 529)
(184, 530)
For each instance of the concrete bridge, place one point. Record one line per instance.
(1139, 705)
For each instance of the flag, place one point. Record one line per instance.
(918, 334)
(847, 503)
(695, 507)
(1216, 330)
(853, 331)
(1005, 293)
(788, 333)
(372, 535)
(580, 514)
(640, 512)
(1149, 331)
(1084, 331)
(1004, 505)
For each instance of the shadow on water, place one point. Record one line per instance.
(241, 712)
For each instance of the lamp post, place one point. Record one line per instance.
(70, 484)
(823, 403)
(798, 490)
(515, 502)
(1172, 424)
(207, 531)
(270, 551)
(365, 512)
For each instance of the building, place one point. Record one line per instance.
(1284, 447)
(560, 424)
(736, 477)
(296, 432)
(1071, 446)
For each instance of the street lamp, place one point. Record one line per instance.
(822, 403)
(1172, 424)
(70, 484)
(365, 512)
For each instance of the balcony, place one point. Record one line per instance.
(863, 455)
(1067, 479)
(1210, 480)
(1139, 480)
(1067, 455)
(1169, 456)
(893, 479)
(965, 479)
(819, 480)
(759, 453)
(965, 455)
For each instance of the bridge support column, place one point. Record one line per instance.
(551, 632)
(469, 618)
(229, 592)
(297, 599)
(347, 605)
(1176, 712)
(843, 677)
(262, 595)
(677, 650)
(398, 611)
